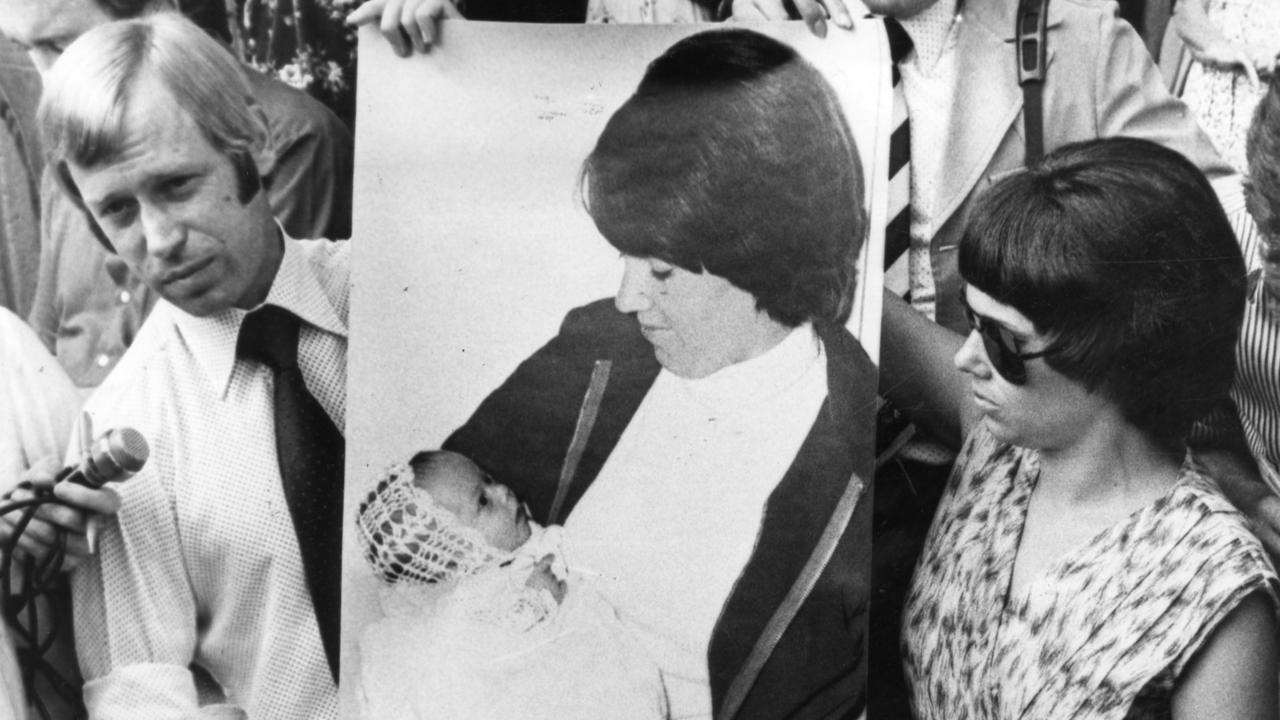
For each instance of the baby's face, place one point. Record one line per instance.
(462, 488)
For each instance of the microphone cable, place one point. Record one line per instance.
(40, 586)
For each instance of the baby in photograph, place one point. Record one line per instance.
(482, 619)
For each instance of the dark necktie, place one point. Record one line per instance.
(897, 233)
(310, 451)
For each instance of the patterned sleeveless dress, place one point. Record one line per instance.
(1104, 632)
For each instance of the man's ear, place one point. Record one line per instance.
(263, 150)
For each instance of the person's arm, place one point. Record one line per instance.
(1218, 443)
(1211, 48)
(918, 375)
(1131, 98)
(1238, 477)
(1234, 674)
(413, 25)
(409, 25)
(310, 180)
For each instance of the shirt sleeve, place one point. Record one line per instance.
(135, 611)
(1132, 99)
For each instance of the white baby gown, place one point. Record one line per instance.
(486, 647)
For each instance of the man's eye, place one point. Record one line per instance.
(484, 501)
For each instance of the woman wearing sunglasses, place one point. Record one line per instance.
(1081, 565)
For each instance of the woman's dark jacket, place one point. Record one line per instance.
(520, 435)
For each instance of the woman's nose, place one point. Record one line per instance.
(633, 291)
(971, 358)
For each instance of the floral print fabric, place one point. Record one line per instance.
(304, 43)
(1104, 632)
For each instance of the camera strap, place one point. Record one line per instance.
(1030, 41)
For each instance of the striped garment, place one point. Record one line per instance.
(1256, 390)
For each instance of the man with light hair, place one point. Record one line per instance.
(224, 552)
(87, 306)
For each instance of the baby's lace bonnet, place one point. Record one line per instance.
(408, 538)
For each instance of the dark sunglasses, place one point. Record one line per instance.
(1001, 346)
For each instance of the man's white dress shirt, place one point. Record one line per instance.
(928, 86)
(202, 564)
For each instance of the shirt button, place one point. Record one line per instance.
(125, 296)
(103, 360)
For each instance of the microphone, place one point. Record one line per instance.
(116, 455)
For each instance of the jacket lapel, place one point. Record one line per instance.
(634, 371)
(985, 105)
(797, 511)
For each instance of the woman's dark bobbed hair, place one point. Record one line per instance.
(733, 157)
(1119, 252)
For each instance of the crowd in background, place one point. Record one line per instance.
(65, 289)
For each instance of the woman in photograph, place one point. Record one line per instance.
(1081, 563)
(702, 434)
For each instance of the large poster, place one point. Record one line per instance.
(471, 241)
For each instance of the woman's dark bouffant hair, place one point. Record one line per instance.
(1120, 253)
(733, 157)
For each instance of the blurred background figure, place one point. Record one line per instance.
(38, 406)
(20, 167)
(1232, 47)
(38, 403)
(1254, 209)
(303, 43)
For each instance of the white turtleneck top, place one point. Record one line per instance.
(673, 517)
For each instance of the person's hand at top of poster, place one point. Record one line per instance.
(408, 25)
(413, 25)
(814, 12)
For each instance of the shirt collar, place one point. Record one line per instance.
(931, 31)
(212, 340)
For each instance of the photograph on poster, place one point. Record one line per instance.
(542, 287)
